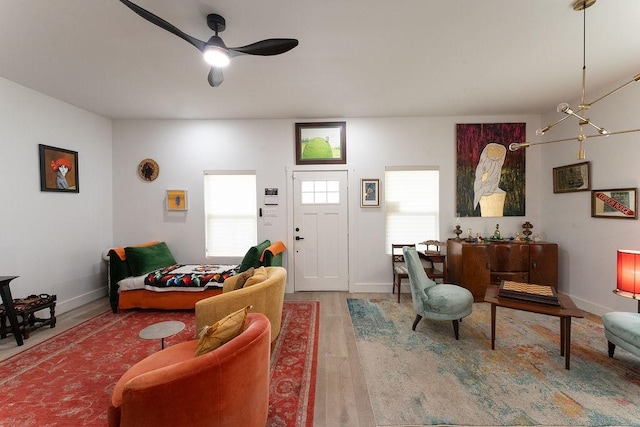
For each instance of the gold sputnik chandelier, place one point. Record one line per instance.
(565, 108)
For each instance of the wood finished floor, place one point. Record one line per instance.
(341, 399)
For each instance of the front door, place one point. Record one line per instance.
(321, 240)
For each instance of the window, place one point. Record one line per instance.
(412, 201)
(230, 209)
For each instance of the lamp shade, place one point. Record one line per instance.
(628, 272)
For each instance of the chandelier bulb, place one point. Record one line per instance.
(543, 130)
(564, 108)
(603, 131)
(515, 146)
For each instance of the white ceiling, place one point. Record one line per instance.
(356, 58)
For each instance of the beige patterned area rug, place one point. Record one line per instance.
(426, 377)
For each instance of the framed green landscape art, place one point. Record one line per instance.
(320, 143)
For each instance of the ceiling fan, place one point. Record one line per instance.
(215, 52)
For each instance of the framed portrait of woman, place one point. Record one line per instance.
(58, 169)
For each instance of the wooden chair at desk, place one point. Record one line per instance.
(434, 257)
(398, 265)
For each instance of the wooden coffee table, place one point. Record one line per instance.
(565, 312)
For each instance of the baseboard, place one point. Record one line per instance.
(79, 300)
(381, 288)
(590, 307)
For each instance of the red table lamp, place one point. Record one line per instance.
(628, 275)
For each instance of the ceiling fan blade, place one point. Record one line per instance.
(265, 47)
(215, 76)
(199, 44)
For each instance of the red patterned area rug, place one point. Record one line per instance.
(67, 380)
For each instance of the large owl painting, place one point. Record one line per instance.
(490, 178)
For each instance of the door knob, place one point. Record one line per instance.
(299, 238)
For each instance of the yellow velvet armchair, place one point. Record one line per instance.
(266, 297)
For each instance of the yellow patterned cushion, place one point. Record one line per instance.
(242, 278)
(259, 276)
(222, 331)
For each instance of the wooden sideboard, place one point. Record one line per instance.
(475, 265)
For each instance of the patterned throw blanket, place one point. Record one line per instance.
(189, 275)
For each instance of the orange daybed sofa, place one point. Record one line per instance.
(228, 386)
(155, 254)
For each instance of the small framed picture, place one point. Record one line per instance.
(58, 170)
(176, 200)
(576, 177)
(321, 143)
(370, 193)
(618, 203)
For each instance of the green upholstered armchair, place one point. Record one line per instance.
(622, 329)
(435, 301)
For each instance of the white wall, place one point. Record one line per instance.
(53, 241)
(184, 149)
(588, 245)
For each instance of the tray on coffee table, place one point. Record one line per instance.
(528, 292)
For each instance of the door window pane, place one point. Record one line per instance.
(320, 192)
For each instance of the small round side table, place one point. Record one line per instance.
(161, 330)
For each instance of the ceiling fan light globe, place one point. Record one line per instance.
(216, 56)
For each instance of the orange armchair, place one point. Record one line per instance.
(228, 386)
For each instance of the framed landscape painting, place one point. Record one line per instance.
(58, 169)
(321, 143)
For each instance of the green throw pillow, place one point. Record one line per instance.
(252, 257)
(145, 259)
